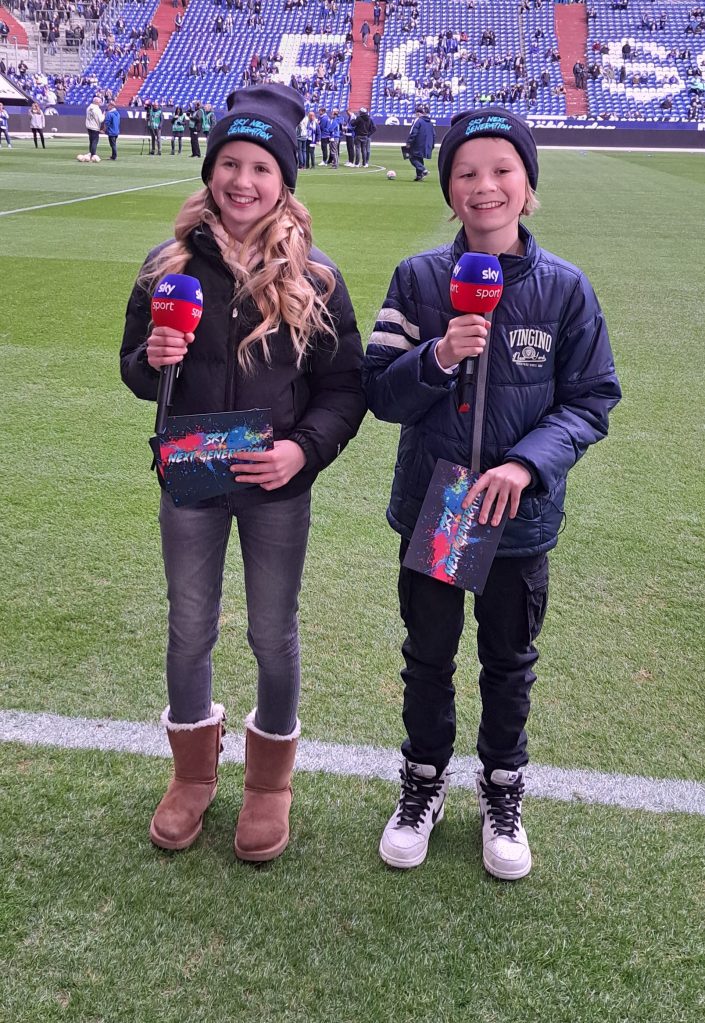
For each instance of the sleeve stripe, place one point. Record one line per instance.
(387, 315)
(385, 340)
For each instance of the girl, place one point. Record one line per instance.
(37, 123)
(278, 331)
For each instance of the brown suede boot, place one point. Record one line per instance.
(262, 831)
(178, 819)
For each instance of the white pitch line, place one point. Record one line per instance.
(103, 195)
(565, 785)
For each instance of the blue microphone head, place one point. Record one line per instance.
(180, 287)
(476, 284)
(177, 302)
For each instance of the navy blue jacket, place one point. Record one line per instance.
(422, 137)
(548, 383)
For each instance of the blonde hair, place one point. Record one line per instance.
(286, 285)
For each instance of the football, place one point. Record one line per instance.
(391, 175)
(82, 157)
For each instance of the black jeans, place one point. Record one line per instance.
(509, 617)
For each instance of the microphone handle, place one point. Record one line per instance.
(167, 377)
(464, 386)
(465, 377)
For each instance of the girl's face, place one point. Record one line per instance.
(246, 184)
(488, 191)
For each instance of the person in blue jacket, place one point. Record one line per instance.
(422, 139)
(112, 128)
(545, 383)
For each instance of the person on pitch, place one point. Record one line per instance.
(545, 384)
(278, 331)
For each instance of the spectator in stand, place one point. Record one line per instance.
(112, 128)
(37, 123)
(364, 33)
(376, 15)
(178, 22)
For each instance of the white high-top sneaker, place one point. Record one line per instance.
(505, 847)
(421, 805)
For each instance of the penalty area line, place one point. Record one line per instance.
(568, 785)
(102, 195)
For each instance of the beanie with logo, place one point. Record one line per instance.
(266, 115)
(487, 122)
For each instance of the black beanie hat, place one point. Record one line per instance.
(266, 115)
(494, 122)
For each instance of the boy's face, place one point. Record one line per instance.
(488, 189)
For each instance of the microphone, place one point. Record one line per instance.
(177, 303)
(475, 287)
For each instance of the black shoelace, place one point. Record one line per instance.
(503, 806)
(416, 794)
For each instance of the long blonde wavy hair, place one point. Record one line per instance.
(272, 266)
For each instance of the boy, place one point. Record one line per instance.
(545, 383)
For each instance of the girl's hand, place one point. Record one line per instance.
(166, 346)
(270, 469)
(502, 484)
(466, 337)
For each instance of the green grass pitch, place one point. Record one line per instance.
(95, 924)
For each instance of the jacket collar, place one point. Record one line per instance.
(514, 268)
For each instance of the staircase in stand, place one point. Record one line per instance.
(364, 58)
(163, 21)
(571, 30)
(16, 29)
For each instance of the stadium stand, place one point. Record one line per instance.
(290, 43)
(454, 55)
(645, 62)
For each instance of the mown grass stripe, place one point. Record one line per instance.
(542, 782)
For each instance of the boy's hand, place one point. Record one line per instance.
(501, 484)
(466, 337)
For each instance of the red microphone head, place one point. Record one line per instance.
(476, 284)
(178, 303)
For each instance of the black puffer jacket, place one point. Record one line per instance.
(319, 405)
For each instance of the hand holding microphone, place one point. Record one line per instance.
(475, 290)
(177, 307)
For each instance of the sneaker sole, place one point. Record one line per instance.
(393, 861)
(506, 874)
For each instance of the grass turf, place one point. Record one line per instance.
(97, 925)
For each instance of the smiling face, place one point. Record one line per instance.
(488, 190)
(246, 184)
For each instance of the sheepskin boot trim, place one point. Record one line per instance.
(262, 831)
(178, 819)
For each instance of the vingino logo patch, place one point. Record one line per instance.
(495, 123)
(529, 346)
(250, 126)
